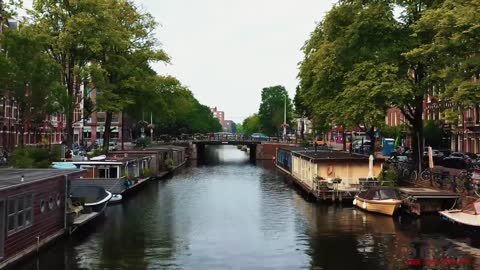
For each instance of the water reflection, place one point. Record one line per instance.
(227, 213)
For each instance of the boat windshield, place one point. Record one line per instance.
(387, 194)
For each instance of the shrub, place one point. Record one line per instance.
(146, 172)
(30, 157)
(170, 164)
(388, 177)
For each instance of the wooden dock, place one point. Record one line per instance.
(426, 200)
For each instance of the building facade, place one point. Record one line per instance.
(464, 136)
(49, 131)
(220, 115)
(94, 125)
(229, 126)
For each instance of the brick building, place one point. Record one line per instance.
(220, 115)
(94, 126)
(463, 136)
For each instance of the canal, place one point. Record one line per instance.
(231, 214)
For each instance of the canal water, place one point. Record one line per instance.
(231, 214)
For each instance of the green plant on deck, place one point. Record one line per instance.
(388, 177)
(170, 164)
(146, 172)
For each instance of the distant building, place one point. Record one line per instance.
(220, 115)
(230, 126)
(307, 126)
(94, 125)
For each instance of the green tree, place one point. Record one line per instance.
(251, 125)
(271, 112)
(71, 30)
(32, 76)
(359, 32)
(451, 49)
(121, 66)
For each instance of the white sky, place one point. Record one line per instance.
(226, 51)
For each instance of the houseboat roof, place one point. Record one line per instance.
(166, 148)
(122, 158)
(13, 177)
(320, 155)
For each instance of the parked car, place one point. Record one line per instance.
(260, 136)
(457, 160)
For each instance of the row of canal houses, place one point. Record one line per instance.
(38, 206)
(327, 174)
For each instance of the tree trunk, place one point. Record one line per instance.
(344, 140)
(70, 106)
(417, 134)
(371, 135)
(302, 130)
(107, 132)
(123, 132)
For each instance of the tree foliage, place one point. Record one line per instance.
(106, 45)
(251, 125)
(361, 60)
(271, 112)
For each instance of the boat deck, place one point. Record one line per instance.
(463, 218)
(427, 193)
(418, 201)
(84, 218)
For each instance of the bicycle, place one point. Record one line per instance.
(406, 172)
(441, 180)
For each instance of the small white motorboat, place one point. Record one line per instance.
(469, 215)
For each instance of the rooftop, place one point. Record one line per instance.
(13, 177)
(328, 155)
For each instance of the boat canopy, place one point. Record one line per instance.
(378, 193)
(472, 208)
(63, 165)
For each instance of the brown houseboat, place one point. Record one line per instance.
(32, 210)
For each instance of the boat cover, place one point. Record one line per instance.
(378, 193)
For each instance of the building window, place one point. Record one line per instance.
(20, 213)
(101, 119)
(114, 119)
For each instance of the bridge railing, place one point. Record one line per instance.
(227, 138)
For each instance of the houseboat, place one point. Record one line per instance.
(118, 174)
(327, 174)
(32, 210)
(171, 156)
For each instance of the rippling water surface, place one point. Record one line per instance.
(230, 214)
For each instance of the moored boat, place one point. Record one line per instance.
(381, 200)
(469, 215)
(85, 204)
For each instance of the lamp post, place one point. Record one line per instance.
(285, 119)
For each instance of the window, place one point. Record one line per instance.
(20, 213)
(58, 200)
(42, 206)
(114, 119)
(51, 203)
(101, 119)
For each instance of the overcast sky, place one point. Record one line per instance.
(226, 51)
